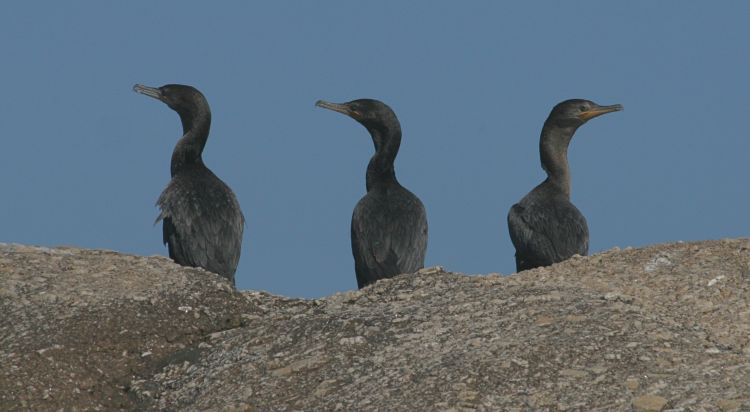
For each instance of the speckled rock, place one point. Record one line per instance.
(650, 403)
(666, 326)
(78, 325)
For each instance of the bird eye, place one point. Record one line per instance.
(582, 108)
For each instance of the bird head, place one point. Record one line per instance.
(370, 113)
(576, 112)
(185, 100)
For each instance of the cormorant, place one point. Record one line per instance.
(544, 226)
(389, 224)
(202, 220)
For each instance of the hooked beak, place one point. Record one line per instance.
(598, 111)
(148, 91)
(341, 108)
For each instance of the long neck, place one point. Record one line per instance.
(195, 127)
(553, 150)
(380, 169)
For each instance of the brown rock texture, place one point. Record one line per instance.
(665, 327)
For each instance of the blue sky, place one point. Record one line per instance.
(84, 158)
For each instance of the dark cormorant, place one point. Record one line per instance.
(544, 226)
(389, 224)
(203, 222)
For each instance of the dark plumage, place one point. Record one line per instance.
(544, 226)
(389, 224)
(203, 222)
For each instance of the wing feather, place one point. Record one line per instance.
(203, 223)
(389, 235)
(546, 232)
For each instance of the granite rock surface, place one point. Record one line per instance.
(659, 328)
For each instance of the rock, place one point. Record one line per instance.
(324, 388)
(632, 384)
(728, 405)
(355, 340)
(113, 316)
(99, 330)
(650, 403)
(468, 396)
(544, 320)
(573, 373)
(301, 365)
